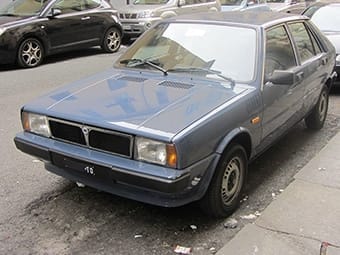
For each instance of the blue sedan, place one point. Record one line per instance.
(185, 108)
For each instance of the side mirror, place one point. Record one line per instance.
(54, 12)
(281, 77)
(181, 3)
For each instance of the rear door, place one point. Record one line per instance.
(313, 62)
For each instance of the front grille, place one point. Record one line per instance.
(92, 137)
(67, 132)
(128, 15)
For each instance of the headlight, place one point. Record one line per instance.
(2, 30)
(35, 123)
(338, 59)
(156, 152)
(145, 14)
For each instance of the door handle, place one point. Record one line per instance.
(85, 18)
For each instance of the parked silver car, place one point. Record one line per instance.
(244, 5)
(289, 6)
(140, 15)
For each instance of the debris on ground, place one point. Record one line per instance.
(323, 248)
(231, 223)
(80, 185)
(213, 250)
(248, 217)
(138, 236)
(36, 161)
(273, 195)
(244, 199)
(322, 169)
(182, 250)
(281, 190)
(257, 213)
(193, 227)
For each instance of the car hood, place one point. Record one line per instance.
(138, 104)
(226, 8)
(334, 37)
(277, 6)
(13, 21)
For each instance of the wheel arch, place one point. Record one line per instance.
(240, 136)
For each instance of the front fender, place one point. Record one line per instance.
(230, 137)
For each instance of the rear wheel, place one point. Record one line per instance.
(112, 40)
(224, 192)
(316, 119)
(30, 53)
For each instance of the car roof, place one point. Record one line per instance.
(248, 18)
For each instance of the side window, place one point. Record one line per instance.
(303, 41)
(189, 2)
(69, 6)
(91, 4)
(279, 51)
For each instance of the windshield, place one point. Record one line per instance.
(327, 18)
(151, 2)
(231, 2)
(23, 8)
(200, 49)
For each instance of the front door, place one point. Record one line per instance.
(71, 27)
(282, 102)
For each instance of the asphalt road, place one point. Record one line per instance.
(41, 213)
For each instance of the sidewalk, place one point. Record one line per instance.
(304, 216)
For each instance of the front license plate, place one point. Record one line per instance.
(75, 165)
(126, 27)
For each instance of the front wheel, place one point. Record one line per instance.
(30, 53)
(316, 119)
(112, 40)
(224, 192)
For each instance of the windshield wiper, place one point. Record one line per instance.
(138, 62)
(204, 70)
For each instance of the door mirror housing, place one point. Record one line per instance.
(54, 12)
(181, 3)
(281, 77)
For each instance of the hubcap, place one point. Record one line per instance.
(113, 40)
(231, 180)
(323, 106)
(31, 53)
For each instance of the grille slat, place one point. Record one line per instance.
(132, 79)
(128, 15)
(177, 85)
(92, 137)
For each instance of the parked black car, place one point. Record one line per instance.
(33, 29)
(326, 16)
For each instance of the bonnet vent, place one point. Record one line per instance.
(178, 85)
(131, 78)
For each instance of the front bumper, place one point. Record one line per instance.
(124, 177)
(135, 27)
(7, 56)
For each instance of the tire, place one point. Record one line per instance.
(30, 53)
(229, 177)
(112, 40)
(316, 119)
